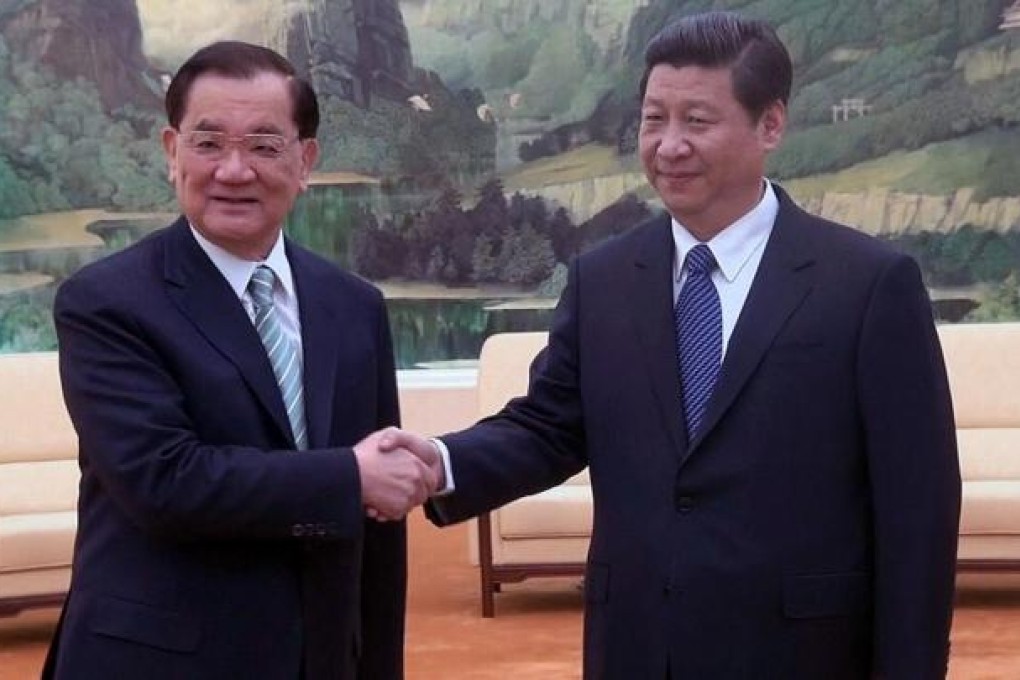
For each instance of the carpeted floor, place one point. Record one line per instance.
(537, 630)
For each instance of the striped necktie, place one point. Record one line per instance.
(283, 354)
(698, 317)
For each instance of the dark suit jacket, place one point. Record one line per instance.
(810, 531)
(207, 547)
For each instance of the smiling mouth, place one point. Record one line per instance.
(235, 201)
(678, 176)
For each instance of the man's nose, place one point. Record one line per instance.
(675, 142)
(235, 166)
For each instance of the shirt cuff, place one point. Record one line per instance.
(444, 453)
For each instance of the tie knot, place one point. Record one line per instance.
(261, 286)
(700, 260)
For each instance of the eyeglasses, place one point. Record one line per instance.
(214, 145)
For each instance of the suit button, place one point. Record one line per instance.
(684, 504)
(297, 531)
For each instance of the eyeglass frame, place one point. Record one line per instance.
(243, 143)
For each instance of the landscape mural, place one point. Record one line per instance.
(472, 147)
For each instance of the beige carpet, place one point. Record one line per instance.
(537, 630)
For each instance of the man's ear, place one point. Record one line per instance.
(170, 140)
(309, 155)
(772, 125)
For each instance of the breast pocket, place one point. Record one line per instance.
(797, 352)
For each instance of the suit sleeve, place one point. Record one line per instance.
(535, 442)
(914, 474)
(384, 560)
(139, 443)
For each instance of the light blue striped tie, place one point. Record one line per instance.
(698, 318)
(283, 354)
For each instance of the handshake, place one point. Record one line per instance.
(399, 471)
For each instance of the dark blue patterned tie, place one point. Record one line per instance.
(698, 318)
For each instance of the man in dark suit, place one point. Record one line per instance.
(220, 378)
(761, 400)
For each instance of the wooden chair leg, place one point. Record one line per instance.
(489, 585)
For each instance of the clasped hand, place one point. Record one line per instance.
(399, 471)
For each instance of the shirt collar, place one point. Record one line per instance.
(238, 272)
(734, 245)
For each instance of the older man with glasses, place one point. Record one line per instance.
(223, 381)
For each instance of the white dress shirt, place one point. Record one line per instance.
(737, 249)
(238, 273)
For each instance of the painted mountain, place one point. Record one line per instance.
(81, 94)
(903, 119)
(474, 144)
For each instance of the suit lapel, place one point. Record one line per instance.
(204, 297)
(781, 284)
(650, 300)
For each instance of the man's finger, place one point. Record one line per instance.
(393, 438)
